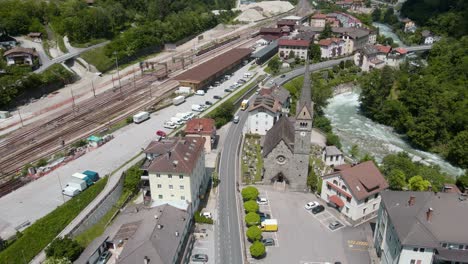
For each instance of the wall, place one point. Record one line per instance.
(100, 210)
(259, 122)
(408, 254)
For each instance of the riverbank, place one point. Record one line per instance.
(376, 139)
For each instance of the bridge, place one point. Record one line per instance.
(418, 48)
(67, 56)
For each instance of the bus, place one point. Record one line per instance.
(244, 105)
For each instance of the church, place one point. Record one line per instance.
(286, 147)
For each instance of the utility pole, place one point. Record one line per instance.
(73, 100)
(92, 84)
(60, 183)
(134, 77)
(118, 74)
(21, 119)
(149, 86)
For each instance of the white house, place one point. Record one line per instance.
(174, 171)
(422, 228)
(269, 105)
(429, 38)
(354, 190)
(332, 47)
(20, 56)
(298, 46)
(318, 20)
(377, 56)
(332, 156)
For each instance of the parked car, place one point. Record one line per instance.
(208, 103)
(335, 225)
(217, 97)
(318, 209)
(200, 258)
(268, 241)
(228, 90)
(104, 257)
(262, 201)
(236, 119)
(161, 133)
(283, 75)
(264, 216)
(207, 215)
(311, 205)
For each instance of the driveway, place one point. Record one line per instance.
(304, 238)
(26, 43)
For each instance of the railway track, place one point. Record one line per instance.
(44, 138)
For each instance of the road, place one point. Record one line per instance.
(76, 52)
(228, 241)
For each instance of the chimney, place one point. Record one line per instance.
(176, 233)
(175, 162)
(146, 259)
(412, 200)
(429, 214)
(160, 226)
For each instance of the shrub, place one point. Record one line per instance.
(251, 206)
(254, 233)
(133, 178)
(64, 247)
(42, 162)
(249, 193)
(199, 218)
(257, 249)
(252, 219)
(129, 120)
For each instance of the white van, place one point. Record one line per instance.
(197, 108)
(177, 121)
(140, 117)
(169, 124)
(200, 92)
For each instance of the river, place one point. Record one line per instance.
(373, 138)
(388, 33)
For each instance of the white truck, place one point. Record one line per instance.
(184, 90)
(169, 124)
(197, 108)
(74, 187)
(178, 100)
(140, 117)
(200, 92)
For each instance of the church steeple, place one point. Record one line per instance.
(304, 116)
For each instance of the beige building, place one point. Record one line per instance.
(174, 172)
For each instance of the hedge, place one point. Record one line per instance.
(36, 237)
(249, 193)
(257, 249)
(252, 219)
(251, 206)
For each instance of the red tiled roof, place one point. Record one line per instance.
(363, 179)
(338, 189)
(286, 23)
(383, 49)
(200, 126)
(293, 42)
(329, 41)
(214, 66)
(336, 200)
(270, 30)
(20, 50)
(270, 37)
(342, 167)
(174, 155)
(319, 16)
(401, 50)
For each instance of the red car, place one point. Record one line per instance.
(161, 133)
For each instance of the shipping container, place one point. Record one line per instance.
(140, 117)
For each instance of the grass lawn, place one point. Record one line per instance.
(61, 44)
(98, 58)
(36, 237)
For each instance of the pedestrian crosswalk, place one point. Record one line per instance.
(357, 243)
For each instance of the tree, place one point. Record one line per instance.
(64, 248)
(254, 233)
(377, 15)
(274, 64)
(333, 140)
(252, 219)
(396, 180)
(314, 52)
(462, 182)
(312, 179)
(458, 150)
(417, 183)
(291, 54)
(322, 123)
(251, 206)
(257, 249)
(327, 31)
(132, 179)
(354, 152)
(249, 193)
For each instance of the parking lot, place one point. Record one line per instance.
(305, 238)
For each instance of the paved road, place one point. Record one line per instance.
(418, 48)
(228, 238)
(76, 52)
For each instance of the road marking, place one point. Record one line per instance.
(200, 248)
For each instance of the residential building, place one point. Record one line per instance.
(286, 148)
(349, 4)
(367, 58)
(372, 37)
(396, 56)
(20, 56)
(354, 190)
(202, 127)
(346, 20)
(274, 32)
(332, 156)
(269, 105)
(332, 47)
(318, 20)
(35, 36)
(7, 42)
(358, 36)
(422, 228)
(298, 47)
(290, 23)
(139, 234)
(174, 172)
(410, 26)
(428, 37)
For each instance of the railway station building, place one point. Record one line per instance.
(201, 76)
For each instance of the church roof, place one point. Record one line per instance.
(283, 129)
(305, 101)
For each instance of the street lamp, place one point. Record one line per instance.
(149, 86)
(118, 74)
